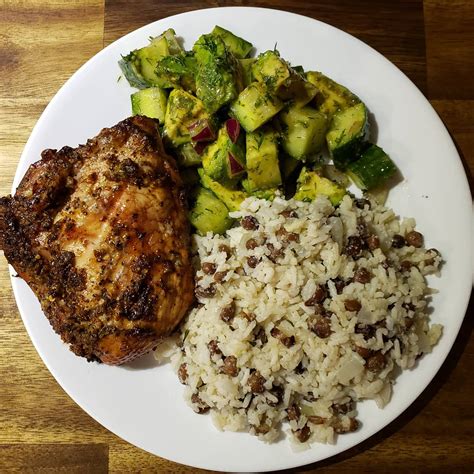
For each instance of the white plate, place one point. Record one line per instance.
(143, 404)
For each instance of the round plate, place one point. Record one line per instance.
(142, 403)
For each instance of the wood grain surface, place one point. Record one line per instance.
(42, 42)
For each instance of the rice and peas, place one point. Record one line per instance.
(303, 310)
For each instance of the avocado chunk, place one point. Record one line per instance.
(177, 71)
(346, 134)
(218, 75)
(255, 106)
(281, 79)
(209, 214)
(333, 97)
(304, 130)
(268, 194)
(310, 185)
(263, 169)
(303, 93)
(150, 102)
(224, 161)
(372, 169)
(239, 47)
(230, 197)
(182, 110)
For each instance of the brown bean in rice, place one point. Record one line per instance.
(247, 374)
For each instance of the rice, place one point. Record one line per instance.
(283, 337)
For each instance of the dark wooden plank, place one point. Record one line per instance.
(124, 457)
(17, 116)
(432, 436)
(458, 116)
(8, 309)
(41, 44)
(54, 458)
(41, 36)
(449, 27)
(393, 28)
(30, 397)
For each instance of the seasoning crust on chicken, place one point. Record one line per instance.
(100, 233)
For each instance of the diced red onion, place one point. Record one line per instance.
(201, 131)
(199, 147)
(233, 129)
(234, 165)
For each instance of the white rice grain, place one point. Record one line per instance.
(321, 358)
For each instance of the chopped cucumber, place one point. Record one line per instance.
(304, 131)
(187, 156)
(339, 177)
(333, 97)
(379, 195)
(262, 159)
(298, 69)
(239, 47)
(270, 69)
(230, 197)
(216, 86)
(139, 65)
(148, 58)
(246, 65)
(209, 214)
(173, 45)
(347, 134)
(372, 169)
(182, 110)
(150, 102)
(310, 185)
(255, 106)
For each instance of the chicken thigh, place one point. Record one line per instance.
(100, 233)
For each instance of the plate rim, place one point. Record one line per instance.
(58, 95)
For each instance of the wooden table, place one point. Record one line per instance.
(42, 42)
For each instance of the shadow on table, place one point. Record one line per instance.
(465, 164)
(415, 408)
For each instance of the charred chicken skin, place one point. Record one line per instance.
(100, 233)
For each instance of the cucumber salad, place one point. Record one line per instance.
(243, 126)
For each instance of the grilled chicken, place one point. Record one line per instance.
(100, 234)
